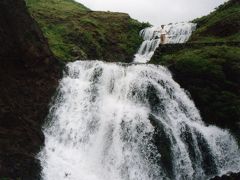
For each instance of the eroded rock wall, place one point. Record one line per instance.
(29, 75)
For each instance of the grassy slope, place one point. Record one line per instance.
(211, 73)
(221, 25)
(75, 32)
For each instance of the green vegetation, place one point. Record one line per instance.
(210, 72)
(221, 25)
(75, 32)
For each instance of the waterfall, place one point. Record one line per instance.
(120, 122)
(115, 121)
(176, 33)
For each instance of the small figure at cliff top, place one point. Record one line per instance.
(163, 34)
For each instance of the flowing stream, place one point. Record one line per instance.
(114, 121)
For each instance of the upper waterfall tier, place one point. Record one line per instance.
(171, 34)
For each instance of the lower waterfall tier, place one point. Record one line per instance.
(130, 122)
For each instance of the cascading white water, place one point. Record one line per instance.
(113, 121)
(176, 33)
(130, 122)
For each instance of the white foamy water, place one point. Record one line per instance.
(175, 34)
(113, 121)
(130, 122)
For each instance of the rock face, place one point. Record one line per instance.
(28, 78)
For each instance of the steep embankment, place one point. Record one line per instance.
(222, 25)
(75, 32)
(209, 66)
(28, 77)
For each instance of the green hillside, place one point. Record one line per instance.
(220, 26)
(76, 32)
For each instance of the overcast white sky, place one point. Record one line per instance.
(156, 12)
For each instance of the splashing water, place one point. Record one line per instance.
(176, 33)
(130, 122)
(113, 121)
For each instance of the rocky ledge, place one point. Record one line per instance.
(229, 176)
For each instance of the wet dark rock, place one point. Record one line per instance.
(29, 75)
